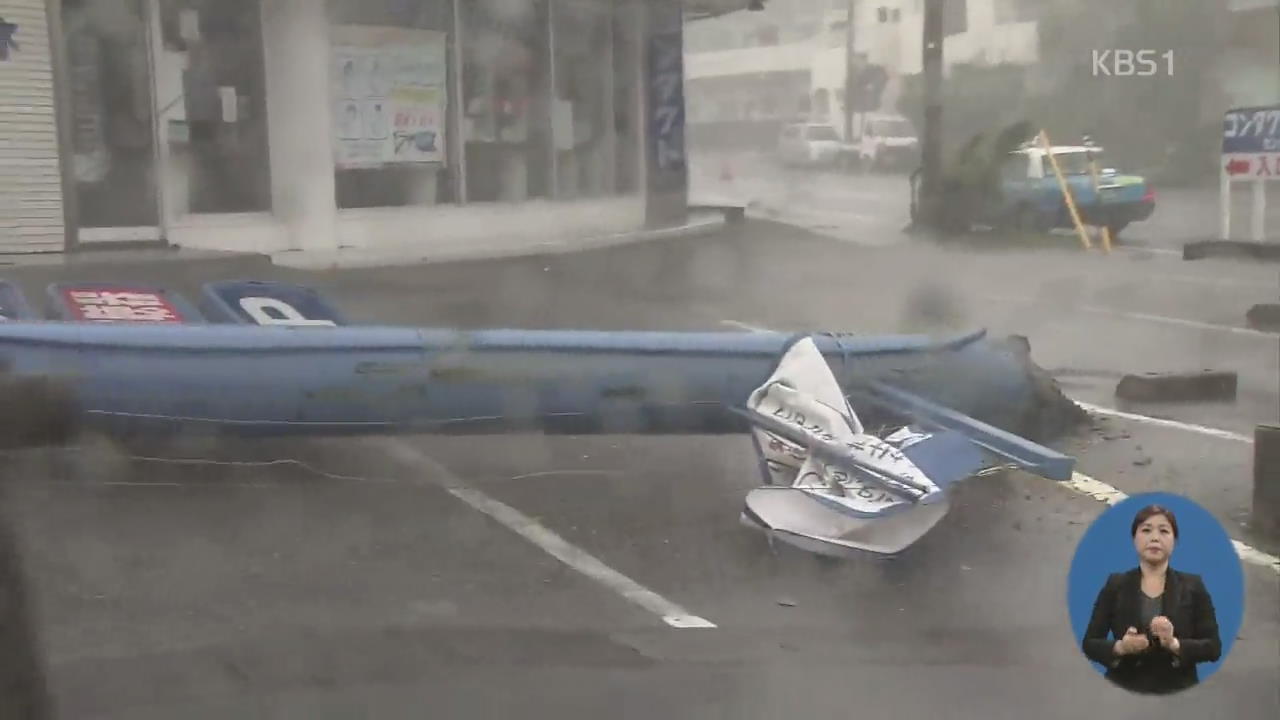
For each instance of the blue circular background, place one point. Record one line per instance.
(1203, 548)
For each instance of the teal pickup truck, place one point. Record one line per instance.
(1031, 198)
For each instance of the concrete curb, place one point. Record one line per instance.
(129, 258)
(1266, 480)
(1265, 317)
(1232, 249)
(360, 258)
(1206, 386)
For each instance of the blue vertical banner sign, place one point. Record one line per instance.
(7, 43)
(666, 98)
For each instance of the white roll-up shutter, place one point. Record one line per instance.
(30, 178)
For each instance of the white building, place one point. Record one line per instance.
(314, 125)
(1249, 71)
(735, 62)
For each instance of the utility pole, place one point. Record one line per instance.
(931, 145)
(848, 74)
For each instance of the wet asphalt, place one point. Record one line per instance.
(352, 578)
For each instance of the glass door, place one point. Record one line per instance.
(113, 143)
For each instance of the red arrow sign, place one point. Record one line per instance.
(1237, 167)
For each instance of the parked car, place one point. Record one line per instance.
(887, 142)
(809, 144)
(1032, 199)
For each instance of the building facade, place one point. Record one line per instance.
(315, 125)
(759, 69)
(1249, 72)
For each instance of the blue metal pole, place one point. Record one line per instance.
(265, 381)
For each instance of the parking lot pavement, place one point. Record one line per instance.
(247, 589)
(513, 575)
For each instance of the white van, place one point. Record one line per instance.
(809, 144)
(886, 141)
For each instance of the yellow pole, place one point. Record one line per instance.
(1066, 191)
(1097, 196)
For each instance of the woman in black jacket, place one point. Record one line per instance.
(1153, 624)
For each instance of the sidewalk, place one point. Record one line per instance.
(497, 247)
(175, 265)
(126, 265)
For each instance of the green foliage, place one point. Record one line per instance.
(970, 180)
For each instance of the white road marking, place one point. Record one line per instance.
(1162, 422)
(1103, 492)
(1140, 249)
(744, 326)
(1231, 284)
(559, 548)
(551, 543)
(1147, 317)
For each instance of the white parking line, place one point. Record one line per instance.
(744, 326)
(1229, 283)
(551, 543)
(1162, 422)
(1152, 250)
(1103, 492)
(1146, 317)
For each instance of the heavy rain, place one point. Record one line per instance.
(398, 358)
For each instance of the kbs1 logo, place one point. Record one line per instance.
(1132, 63)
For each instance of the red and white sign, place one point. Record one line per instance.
(120, 305)
(1251, 166)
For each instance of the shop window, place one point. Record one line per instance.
(506, 99)
(113, 149)
(391, 70)
(582, 115)
(211, 66)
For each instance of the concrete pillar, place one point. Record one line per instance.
(300, 121)
(1266, 480)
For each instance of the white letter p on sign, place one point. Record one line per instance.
(282, 313)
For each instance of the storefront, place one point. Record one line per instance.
(314, 125)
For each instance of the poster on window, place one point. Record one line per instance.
(390, 96)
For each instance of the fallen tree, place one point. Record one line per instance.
(969, 182)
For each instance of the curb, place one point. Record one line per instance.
(1266, 479)
(132, 257)
(358, 259)
(1265, 317)
(1232, 249)
(171, 268)
(1206, 386)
